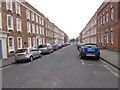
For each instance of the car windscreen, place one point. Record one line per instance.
(21, 51)
(90, 45)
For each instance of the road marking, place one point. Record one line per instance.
(113, 72)
(82, 62)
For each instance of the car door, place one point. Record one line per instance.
(32, 52)
(35, 51)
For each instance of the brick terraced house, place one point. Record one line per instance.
(89, 32)
(21, 26)
(107, 26)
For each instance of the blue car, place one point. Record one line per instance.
(59, 46)
(89, 49)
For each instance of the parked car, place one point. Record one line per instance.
(45, 48)
(90, 49)
(55, 47)
(64, 45)
(27, 54)
(60, 46)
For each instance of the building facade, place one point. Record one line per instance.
(3, 37)
(108, 25)
(22, 26)
(66, 38)
(89, 32)
(49, 28)
(105, 26)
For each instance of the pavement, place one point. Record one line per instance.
(61, 69)
(7, 61)
(111, 57)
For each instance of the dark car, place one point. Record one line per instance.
(90, 49)
(55, 47)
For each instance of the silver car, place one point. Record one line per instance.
(27, 54)
(46, 48)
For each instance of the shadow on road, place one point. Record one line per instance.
(90, 58)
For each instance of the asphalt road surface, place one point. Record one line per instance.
(61, 69)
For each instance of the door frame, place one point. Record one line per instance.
(1, 57)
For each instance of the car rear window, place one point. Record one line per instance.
(91, 45)
(42, 46)
(21, 50)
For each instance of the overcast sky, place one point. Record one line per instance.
(71, 16)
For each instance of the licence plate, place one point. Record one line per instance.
(20, 55)
(90, 49)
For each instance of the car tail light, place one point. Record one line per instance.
(82, 49)
(26, 51)
(98, 49)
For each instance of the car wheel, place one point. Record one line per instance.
(82, 57)
(31, 59)
(49, 52)
(98, 58)
(17, 61)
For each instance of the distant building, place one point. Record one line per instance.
(89, 32)
(104, 27)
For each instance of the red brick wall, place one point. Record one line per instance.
(111, 24)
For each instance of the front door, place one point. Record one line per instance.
(1, 49)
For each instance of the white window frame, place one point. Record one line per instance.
(40, 30)
(107, 16)
(36, 16)
(43, 32)
(103, 18)
(18, 12)
(20, 42)
(29, 39)
(18, 21)
(42, 21)
(33, 16)
(34, 42)
(11, 23)
(11, 8)
(107, 36)
(112, 13)
(27, 14)
(112, 36)
(9, 44)
(28, 27)
(37, 29)
(33, 28)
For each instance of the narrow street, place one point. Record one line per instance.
(61, 69)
